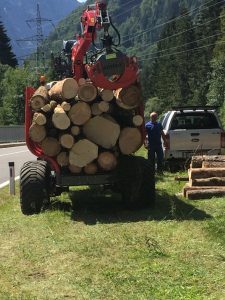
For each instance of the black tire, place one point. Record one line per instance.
(34, 186)
(136, 178)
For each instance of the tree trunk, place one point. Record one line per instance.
(102, 131)
(107, 161)
(50, 146)
(63, 159)
(39, 98)
(206, 173)
(87, 92)
(64, 90)
(37, 133)
(82, 153)
(66, 140)
(80, 113)
(60, 118)
(137, 120)
(129, 97)
(39, 119)
(91, 169)
(130, 140)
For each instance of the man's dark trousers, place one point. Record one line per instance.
(159, 153)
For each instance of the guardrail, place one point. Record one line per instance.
(10, 134)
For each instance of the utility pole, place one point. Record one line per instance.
(38, 38)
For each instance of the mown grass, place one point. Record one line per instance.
(88, 246)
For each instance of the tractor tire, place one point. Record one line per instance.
(136, 178)
(34, 186)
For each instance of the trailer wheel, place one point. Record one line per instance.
(34, 186)
(137, 182)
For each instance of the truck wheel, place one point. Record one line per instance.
(34, 186)
(137, 181)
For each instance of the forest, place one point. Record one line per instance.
(179, 45)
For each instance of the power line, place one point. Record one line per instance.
(172, 20)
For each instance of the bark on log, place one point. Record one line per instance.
(39, 119)
(66, 140)
(75, 130)
(206, 173)
(137, 120)
(75, 169)
(130, 140)
(83, 153)
(205, 194)
(188, 188)
(213, 164)
(50, 146)
(87, 92)
(64, 90)
(60, 118)
(91, 169)
(39, 98)
(80, 113)
(102, 131)
(213, 181)
(37, 133)
(106, 95)
(107, 161)
(103, 106)
(63, 159)
(129, 97)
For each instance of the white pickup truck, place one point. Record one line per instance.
(191, 131)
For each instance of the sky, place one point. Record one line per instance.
(81, 1)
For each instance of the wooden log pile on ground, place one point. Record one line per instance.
(206, 177)
(83, 127)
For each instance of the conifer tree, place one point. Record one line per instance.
(6, 55)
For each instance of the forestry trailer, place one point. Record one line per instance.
(85, 126)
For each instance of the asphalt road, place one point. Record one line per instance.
(18, 155)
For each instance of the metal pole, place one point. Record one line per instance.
(12, 189)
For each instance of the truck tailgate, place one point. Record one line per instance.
(186, 139)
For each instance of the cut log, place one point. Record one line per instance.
(87, 92)
(91, 169)
(53, 104)
(75, 130)
(66, 106)
(95, 109)
(188, 188)
(39, 98)
(64, 90)
(50, 146)
(46, 108)
(130, 140)
(37, 133)
(206, 173)
(63, 159)
(107, 161)
(213, 164)
(207, 161)
(205, 194)
(129, 97)
(80, 113)
(219, 158)
(196, 161)
(39, 119)
(66, 140)
(213, 181)
(83, 153)
(75, 169)
(103, 106)
(60, 118)
(81, 81)
(102, 131)
(137, 120)
(106, 95)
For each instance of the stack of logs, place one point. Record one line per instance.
(206, 177)
(83, 127)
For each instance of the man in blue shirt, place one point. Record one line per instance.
(155, 133)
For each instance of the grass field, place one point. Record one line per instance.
(87, 246)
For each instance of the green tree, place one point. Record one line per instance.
(6, 55)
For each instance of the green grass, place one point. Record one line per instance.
(88, 246)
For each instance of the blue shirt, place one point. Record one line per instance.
(154, 131)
